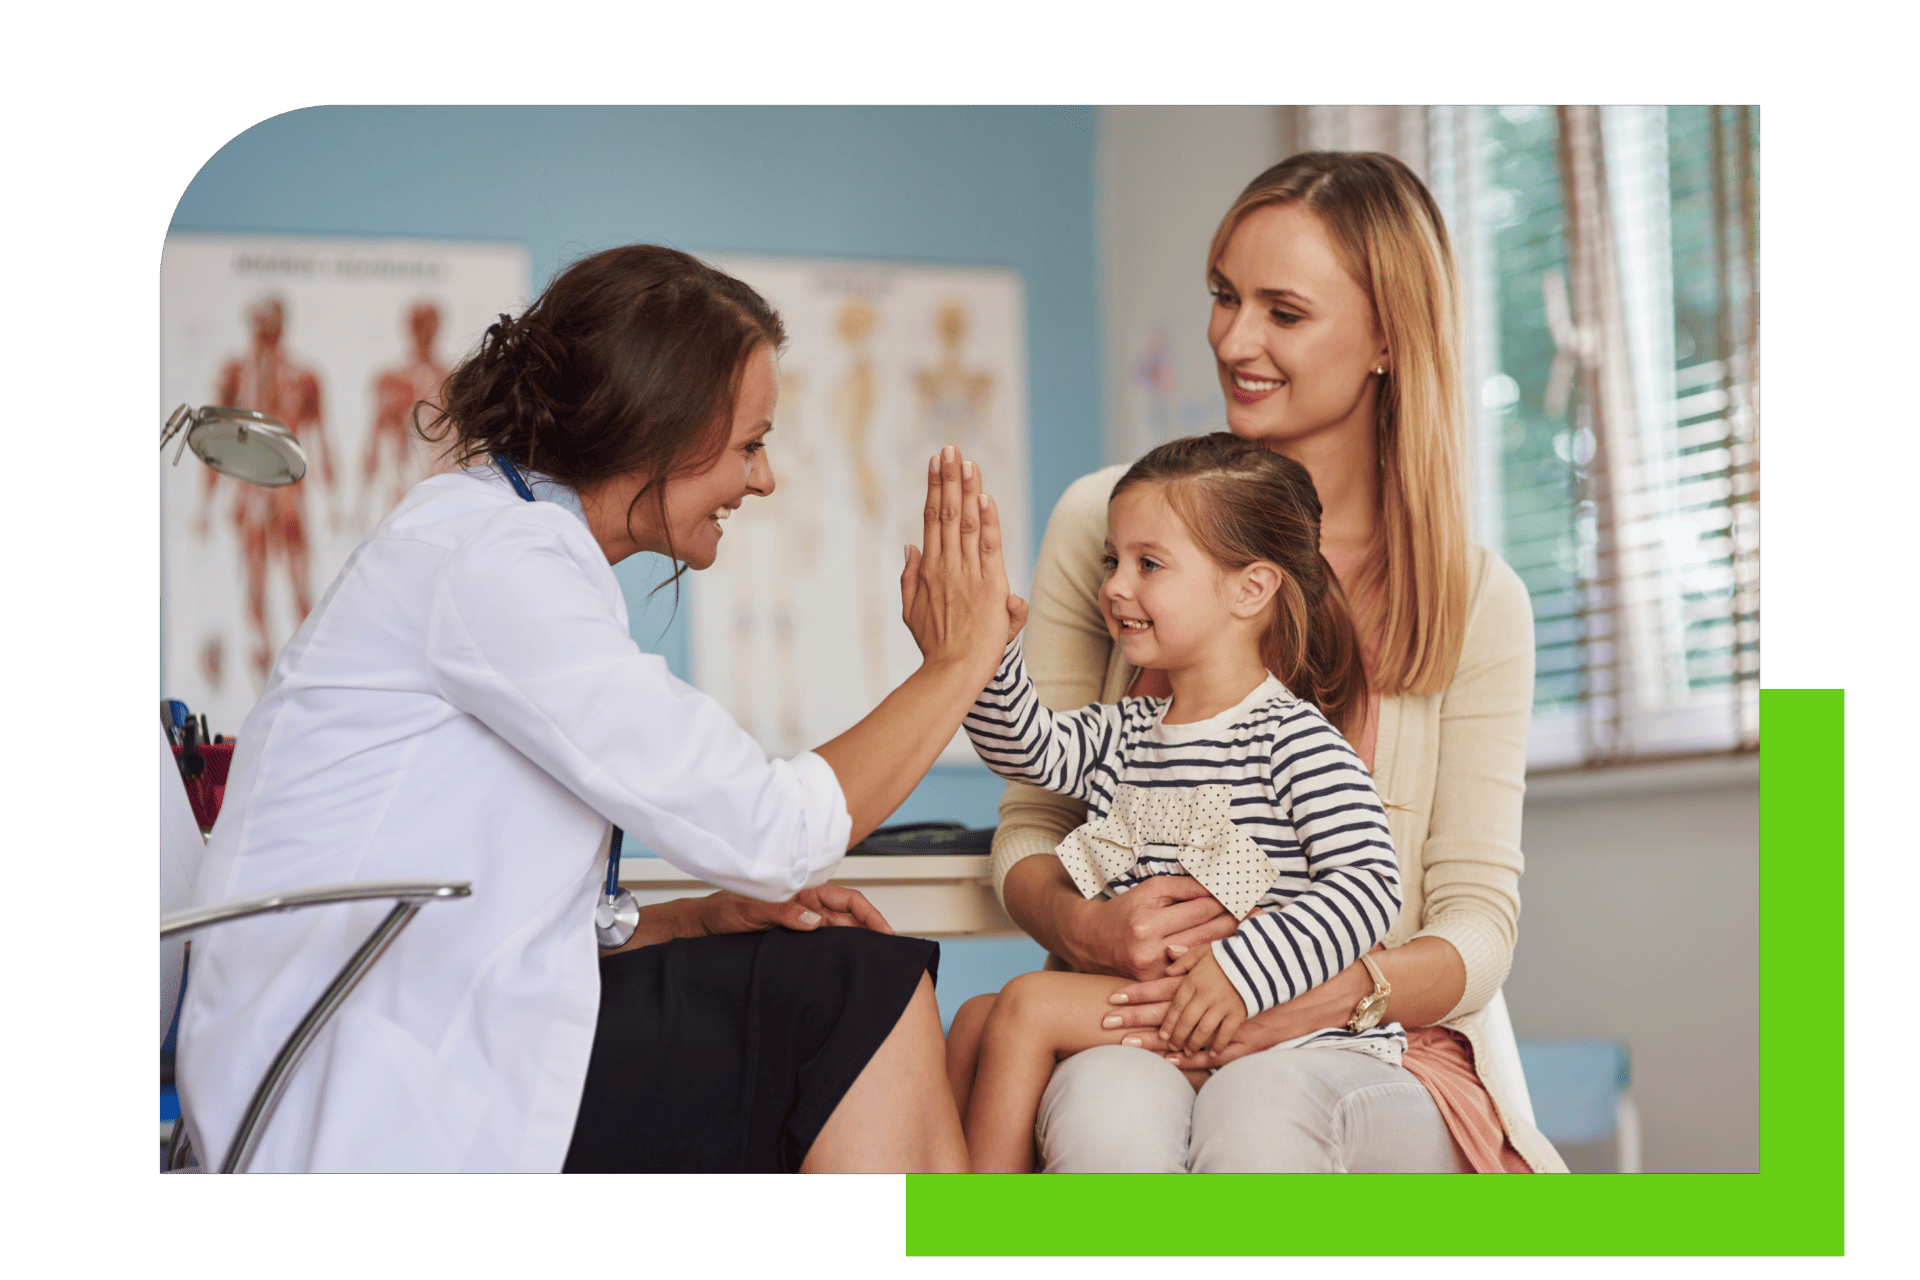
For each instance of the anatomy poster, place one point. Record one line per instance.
(796, 628)
(339, 339)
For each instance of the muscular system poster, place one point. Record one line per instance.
(339, 339)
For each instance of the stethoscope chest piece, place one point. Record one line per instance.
(617, 914)
(615, 918)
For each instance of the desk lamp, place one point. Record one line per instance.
(249, 446)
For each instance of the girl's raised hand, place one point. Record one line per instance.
(954, 595)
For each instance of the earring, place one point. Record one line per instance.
(1380, 370)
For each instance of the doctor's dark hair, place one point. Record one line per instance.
(1244, 503)
(630, 361)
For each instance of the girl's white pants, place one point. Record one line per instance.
(1119, 1109)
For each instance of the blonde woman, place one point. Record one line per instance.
(1336, 331)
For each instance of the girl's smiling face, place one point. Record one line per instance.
(1294, 336)
(1165, 600)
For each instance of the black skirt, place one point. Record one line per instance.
(727, 1054)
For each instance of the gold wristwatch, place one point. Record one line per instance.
(1373, 1006)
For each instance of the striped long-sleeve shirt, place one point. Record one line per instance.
(1298, 790)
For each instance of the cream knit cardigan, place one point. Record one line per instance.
(1450, 767)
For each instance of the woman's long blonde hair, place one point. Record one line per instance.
(1412, 589)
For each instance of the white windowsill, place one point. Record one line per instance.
(1662, 777)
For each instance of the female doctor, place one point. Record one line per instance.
(466, 702)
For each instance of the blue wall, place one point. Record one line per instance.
(993, 186)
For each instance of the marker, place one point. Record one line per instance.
(191, 763)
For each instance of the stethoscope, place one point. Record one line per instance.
(617, 914)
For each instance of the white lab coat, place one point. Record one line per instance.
(464, 703)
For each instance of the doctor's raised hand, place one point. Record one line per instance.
(955, 600)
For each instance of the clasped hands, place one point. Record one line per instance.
(1193, 1008)
(1181, 1004)
(1206, 1010)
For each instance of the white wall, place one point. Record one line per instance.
(1163, 178)
(1640, 920)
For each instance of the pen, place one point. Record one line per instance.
(191, 764)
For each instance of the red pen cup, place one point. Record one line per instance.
(206, 792)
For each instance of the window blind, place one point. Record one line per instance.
(1609, 260)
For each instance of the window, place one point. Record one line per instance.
(1609, 260)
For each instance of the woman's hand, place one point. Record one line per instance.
(822, 906)
(1426, 975)
(1205, 1010)
(1263, 1031)
(1134, 935)
(1150, 1008)
(953, 594)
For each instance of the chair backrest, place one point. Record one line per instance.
(181, 847)
(1501, 1055)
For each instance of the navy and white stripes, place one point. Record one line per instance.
(1299, 791)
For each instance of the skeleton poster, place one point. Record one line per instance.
(796, 628)
(339, 339)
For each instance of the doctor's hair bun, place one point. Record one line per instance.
(628, 362)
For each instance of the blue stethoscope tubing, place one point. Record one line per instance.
(617, 915)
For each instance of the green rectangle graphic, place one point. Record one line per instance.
(1792, 1206)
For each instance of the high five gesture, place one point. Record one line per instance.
(955, 600)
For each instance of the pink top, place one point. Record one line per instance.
(1442, 1060)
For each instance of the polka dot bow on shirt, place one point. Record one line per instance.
(1194, 821)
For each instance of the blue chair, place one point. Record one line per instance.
(1579, 1090)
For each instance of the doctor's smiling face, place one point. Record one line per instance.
(697, 504)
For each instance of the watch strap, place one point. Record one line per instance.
(1372, 1009)
(1381, 987)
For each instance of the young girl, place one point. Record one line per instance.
(1240, 780)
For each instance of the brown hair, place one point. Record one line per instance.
(1412, 586)
(1244, 503)
(628, 362)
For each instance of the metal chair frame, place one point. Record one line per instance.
(408, 895)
